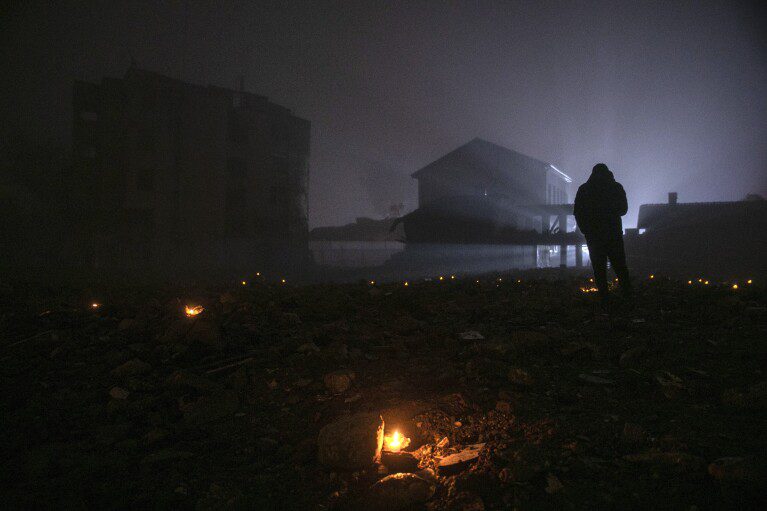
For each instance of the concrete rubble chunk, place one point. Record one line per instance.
(352, 442)
(399, 491)
(455, 462)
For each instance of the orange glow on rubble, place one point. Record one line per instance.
(395, 442)
(191, 311)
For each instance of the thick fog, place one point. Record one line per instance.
(671, 95)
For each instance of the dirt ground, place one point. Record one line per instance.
(131, 404)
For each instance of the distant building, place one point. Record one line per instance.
(718, 238)
(485, 194)
(481, 168)
(181, 176)
(482, 181)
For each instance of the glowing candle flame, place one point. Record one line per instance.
(452, 277)
(735, 286)
(441, 277)
(283, 281)
(705, 282)
(689, 281)
(652, 276)
(372, 282)
(244, 283)
(395, 442)
(406, 283)
(258, 274)
(95, 305)
(192, 311)
(748, 281)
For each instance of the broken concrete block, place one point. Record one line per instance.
(456, 462)
(352, 442)
(399, 491)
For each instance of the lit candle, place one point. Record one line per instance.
(395, 442)
(194, 310)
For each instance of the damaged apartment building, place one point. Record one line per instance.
(172, 176)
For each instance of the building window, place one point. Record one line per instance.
(145, 180)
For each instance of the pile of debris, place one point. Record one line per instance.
(459, 394)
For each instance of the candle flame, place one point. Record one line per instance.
(735, 286)
(395, 442)
(95, 305)
(192, 311)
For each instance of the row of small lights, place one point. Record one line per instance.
(194, 310)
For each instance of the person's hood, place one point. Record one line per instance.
(601, 175)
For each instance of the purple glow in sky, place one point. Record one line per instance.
(671, 95)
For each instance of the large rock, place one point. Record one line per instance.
(338, 382)
(399, 491)
(352, 442)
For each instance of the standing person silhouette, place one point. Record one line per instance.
(599, 205)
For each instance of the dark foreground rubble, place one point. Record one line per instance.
(515, 395)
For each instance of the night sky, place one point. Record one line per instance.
(671, 95)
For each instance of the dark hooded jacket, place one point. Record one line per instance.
(599, 205)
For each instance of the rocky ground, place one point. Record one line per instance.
(515, 395)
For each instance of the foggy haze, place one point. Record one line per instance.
(671, 96)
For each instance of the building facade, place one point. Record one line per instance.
(181, 177)
(512, 184)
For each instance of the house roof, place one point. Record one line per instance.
(662, 216)
(490, 158)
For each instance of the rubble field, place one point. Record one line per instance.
(516, 392)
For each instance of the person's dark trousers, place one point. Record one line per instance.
(600, 250)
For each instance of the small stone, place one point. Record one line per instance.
(399, 491)
(734, 469)
(119, 393)
(633, 434)
(503, 407)
(631, 356)
(308, 347)
(352, 442)
(519, 376)
(553, 484)
(156, 436)
(338, 382)
(595, 380)
(132, 367)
